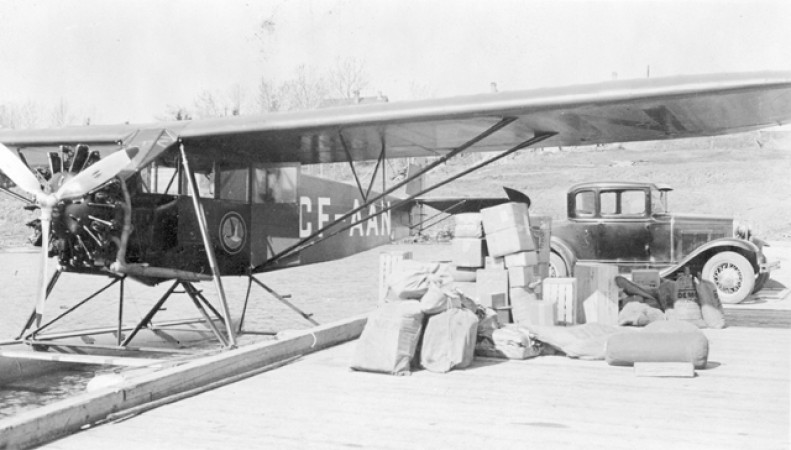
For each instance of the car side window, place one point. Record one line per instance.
(584, 204)
(633, 203)
(609, 203)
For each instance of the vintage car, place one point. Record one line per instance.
(629, 224)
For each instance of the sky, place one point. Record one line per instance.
(119, 61)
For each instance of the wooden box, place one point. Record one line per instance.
(563, 292)
(646, 278)
(597, 293)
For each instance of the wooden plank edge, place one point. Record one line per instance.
(41, 425)
(664, 369)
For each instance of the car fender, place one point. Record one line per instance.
(699, 256)
(560, 247)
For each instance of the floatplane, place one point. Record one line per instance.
(196, 201)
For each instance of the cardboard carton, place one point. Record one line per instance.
(520, 276)
(468, 252)
(510, 240)
(521, 259)
(491, 281)
(506, 215)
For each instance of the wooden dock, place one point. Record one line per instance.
(741, 401)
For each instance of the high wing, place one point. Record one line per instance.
(617, 111)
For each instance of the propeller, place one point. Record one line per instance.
(81, 184)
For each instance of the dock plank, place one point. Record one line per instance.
(740, 401)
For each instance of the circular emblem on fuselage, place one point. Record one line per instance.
(233, 232)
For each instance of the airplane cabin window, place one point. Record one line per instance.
(233, 184)
(275, 184)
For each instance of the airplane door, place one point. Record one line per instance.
(275, 212)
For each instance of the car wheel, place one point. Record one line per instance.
(760, 281)
(732, 274)
(557, 267)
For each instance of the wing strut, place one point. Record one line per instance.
(488, 132)
(308, 241)
(207, 245)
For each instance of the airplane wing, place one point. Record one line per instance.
(616, 111)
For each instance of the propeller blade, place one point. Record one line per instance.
(96, 175)
(46, 220)
(18, 172)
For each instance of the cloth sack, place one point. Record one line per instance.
(639, 314)
(659, 342)
(710, 305)
(449, 340)
(586, 341)
(686, 310)
(508, 342)
(389, 339)
(411, 279)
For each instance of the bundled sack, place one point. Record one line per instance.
(389, 339)
(410, 279)
(686, 310)
(659, 342)
(509, 342)
(710, 305)
(639, 314)
(449, 340)
(587, 341)
(646, 295)
(488, 324)
(438, 299)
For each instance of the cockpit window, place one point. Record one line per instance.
(275, 184)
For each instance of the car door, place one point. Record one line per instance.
(624, 228)
(581, 232)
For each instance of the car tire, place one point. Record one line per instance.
(557, 266)
(732, 274)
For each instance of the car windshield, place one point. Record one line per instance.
(657, 203)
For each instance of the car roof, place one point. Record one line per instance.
(619, 185)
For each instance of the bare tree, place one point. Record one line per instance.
(236, 98)
(62, 114)
(267, 98)
(25, 115)
(304, 91)
(174, 113)
(347, 78)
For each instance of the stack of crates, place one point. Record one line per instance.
(469, 246)
(509, 235)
